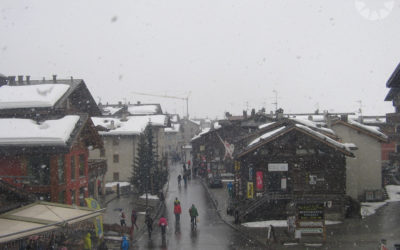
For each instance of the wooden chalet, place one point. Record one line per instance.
(289, 163)
(53, 170)
(213, 148)
(393, 119)
(74, 98)
(64, 163)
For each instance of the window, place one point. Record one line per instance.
(73, 196)
(102, 152)
(39, 170)
(116, 141)
(116, 176)
(116, 158)
(61, 170)
(398, 129)
(81, 165)
(397, 148)
(61, 197)
(73, 167)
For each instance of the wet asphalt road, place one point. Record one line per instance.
(211, 233)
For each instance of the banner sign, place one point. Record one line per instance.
(274, 167)
(98, 221)
(259, 180)
(250, 190)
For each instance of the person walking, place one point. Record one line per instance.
(193, 215)
(179, 180)
(87, 242)
(162, 223)
(122, 217)
(177, 211)
(124, 243)
(133, 222)
(149, 223)
(176, 201)
(185, 178)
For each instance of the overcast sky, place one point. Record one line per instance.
(229, 55)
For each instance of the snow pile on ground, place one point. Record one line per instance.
(393, 192)
(113, 184)
(149, 196)
(278, 223)
(369, 208)
(274, 223)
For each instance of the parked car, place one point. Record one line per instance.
(215, 182)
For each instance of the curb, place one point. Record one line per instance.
(215, 203)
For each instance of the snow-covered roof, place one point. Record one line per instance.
(31, 96)
(111, 110)
(203, 132)
(195, 121)
(324, 137)
(217, 125)
(175, 127)
(150, 109)
(133, 125)
(174, 118)
(312, 124)
(15, 131)
(372, 129)
(379, 120)
(266, 135)
(265, 125)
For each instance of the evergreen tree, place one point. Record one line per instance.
(152, 160)
(140, 176)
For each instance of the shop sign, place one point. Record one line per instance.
(311, 211)
(250, 174)
(311, 230)
(250, 190)
(259, 180)
(311, 224)
(202, 148)
(274, 167)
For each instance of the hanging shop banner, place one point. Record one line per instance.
(237, 165)
(259, 180)
(250, 190)
(98, 221)
(250, 174)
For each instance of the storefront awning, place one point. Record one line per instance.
(41, 217)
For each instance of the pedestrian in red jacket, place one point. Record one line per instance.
(177, 211)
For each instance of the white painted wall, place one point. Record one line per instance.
(364, 172)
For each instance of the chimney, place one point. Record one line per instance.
(72, 79)
(253, 112)
(244, 113)
(344, 118)
(11, 80)
(3, 80)
(279, 113)
(54, 78)
(28, 79)
(138, 103)
(20, 80)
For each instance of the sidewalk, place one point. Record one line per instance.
(128, 202)
(219, 196)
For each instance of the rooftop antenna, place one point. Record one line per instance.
(276, 99)
(360, 108)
